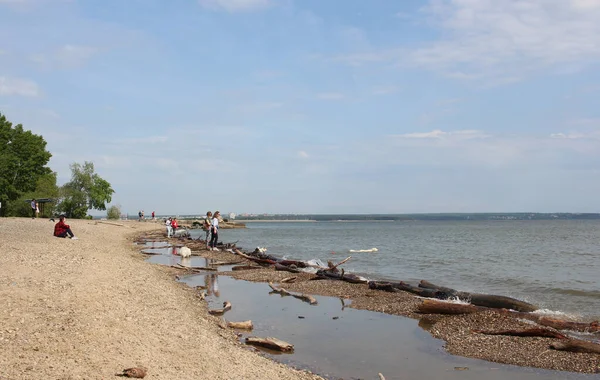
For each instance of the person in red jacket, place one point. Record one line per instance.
(61, 229)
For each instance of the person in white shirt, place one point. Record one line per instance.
(214, 237)
(169, 228)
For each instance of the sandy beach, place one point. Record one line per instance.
(88, 308)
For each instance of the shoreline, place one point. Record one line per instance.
(88, 308)
(456, 331)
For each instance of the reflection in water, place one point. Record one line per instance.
(212, 284)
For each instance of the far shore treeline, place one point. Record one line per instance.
(25, 175)
(424, 216)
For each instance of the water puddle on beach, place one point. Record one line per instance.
(336, 341)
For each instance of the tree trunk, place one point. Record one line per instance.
(286, 268)
(272, 343)
(486, 300)
(246, 267)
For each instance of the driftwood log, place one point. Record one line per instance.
(196, 268)
(271, 343)
(439, 307)
(289, 280)
(245, 325)
(291, 269)
(226, 307)
(486, 300)
(254, 259)
(303, 297)
(532, 332)
(246, 267)
(402, 286)
(574, 345)
(352, 278)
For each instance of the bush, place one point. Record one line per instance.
(114, 212)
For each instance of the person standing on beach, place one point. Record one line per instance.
(169, 227)
(34, 207)
(215, 231)
(207, 227)
(153, 215)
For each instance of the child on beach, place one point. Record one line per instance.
(34, 208)
(61, 229)
(207, 227)
(215, 231)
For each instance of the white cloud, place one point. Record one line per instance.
(303, 154)
(509, 38)
(439, 134)
(330, 96)
(18, 86)
(67, 56)
(236, 5)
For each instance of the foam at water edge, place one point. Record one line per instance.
(556, 313)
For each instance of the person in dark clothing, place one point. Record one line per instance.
(61, 229)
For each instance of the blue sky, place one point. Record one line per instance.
(314, 106)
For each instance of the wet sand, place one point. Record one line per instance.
(456, 331)
(88, 308)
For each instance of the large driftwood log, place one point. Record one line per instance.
(289, 280)
(226, 307)
(558, 324)
(439, 307)
(286, 268)
(352, 278)
(256, 260)
(486, 300)
(532, 332)
(272, 343)
(398, 286)
(196, 268)
(303, 297)
(574, 345)
(245, 325)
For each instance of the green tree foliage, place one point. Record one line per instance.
(23, 160)
(114, 212)
(45, 188)
(86, 190)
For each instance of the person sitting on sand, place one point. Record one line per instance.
(62, 230)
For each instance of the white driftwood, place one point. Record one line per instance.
(226, 307)
(245, 325)
(272, 343)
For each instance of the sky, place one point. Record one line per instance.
(314, 106)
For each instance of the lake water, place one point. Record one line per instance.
(554, 264)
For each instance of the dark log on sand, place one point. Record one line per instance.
(304, 297)
(217, 263)
(486, 300)
(439, 307)
(246, 267)
(226, 307)
(289, 280)
(272, 343)
(558, 324)
(532, 332)
(352, 278)
(298, 264)
(574, 345)
(256, 260)
(245, 325)
(402, 286)
(286, 268)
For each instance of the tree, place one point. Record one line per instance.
(114, 212)
(44, 188)
(23, 160)
(86, 190)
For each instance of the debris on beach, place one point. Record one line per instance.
(303, 297)
(271, 343)
(135, 373)
(226, 307)
(245, 325)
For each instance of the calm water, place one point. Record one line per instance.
(554, 264)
